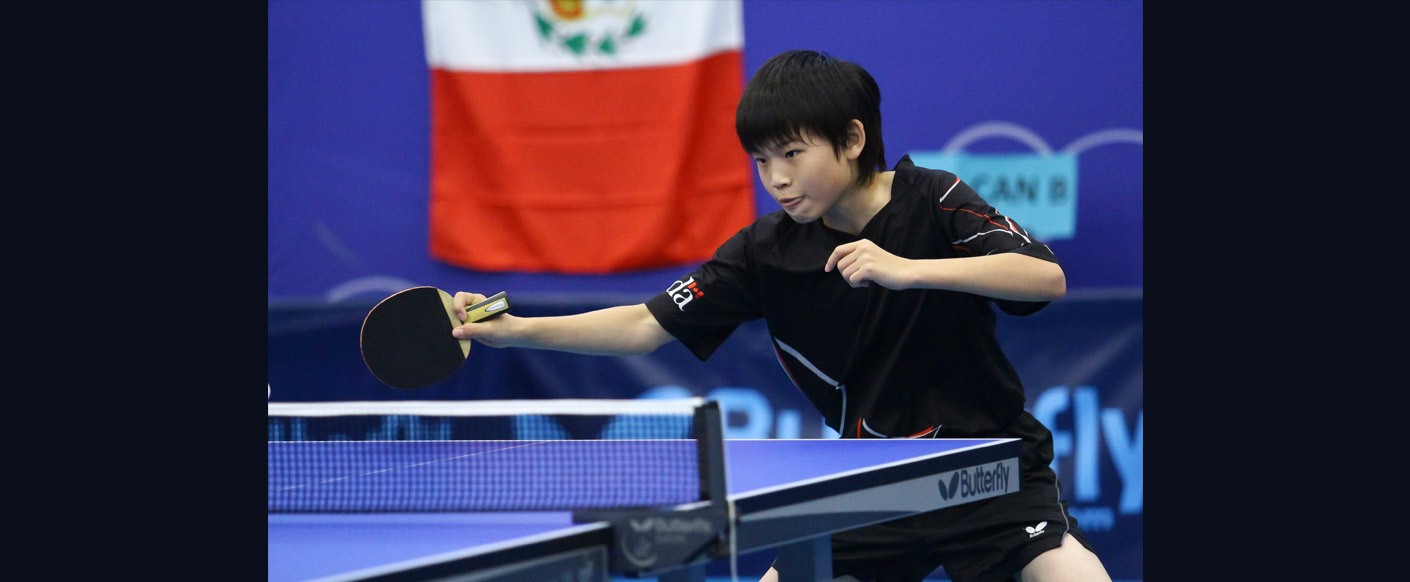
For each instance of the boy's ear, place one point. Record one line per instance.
(856, 139)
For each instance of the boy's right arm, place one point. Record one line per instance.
(614, 331)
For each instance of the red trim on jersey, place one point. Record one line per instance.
(984, 216)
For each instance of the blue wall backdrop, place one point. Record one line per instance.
(349, 137)
(1037, 104)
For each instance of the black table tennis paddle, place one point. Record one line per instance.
(406, 341)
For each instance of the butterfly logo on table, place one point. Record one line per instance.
(649, 534)
(948, 491)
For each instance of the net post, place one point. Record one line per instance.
(675, 543)
(708, 430)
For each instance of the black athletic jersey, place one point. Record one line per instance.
(874, 361)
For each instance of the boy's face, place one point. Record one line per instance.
(805, 177)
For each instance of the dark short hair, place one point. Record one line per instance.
(803, 90)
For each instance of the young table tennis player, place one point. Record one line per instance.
(879, 289)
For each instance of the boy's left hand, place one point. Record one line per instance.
(863, 262)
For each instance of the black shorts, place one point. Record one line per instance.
(983, 541)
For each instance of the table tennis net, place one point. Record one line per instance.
(443, 456)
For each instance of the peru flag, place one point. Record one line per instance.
(584, 136)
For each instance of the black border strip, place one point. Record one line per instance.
(601, 535)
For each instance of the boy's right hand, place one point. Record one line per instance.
(492, 332)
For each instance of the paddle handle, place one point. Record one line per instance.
(495, 305)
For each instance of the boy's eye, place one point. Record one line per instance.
(790, 153)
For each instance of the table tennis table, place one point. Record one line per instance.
(785, 494)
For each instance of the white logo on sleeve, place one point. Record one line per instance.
(1034, 531)
(682, 292)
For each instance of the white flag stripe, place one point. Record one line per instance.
(504, 35)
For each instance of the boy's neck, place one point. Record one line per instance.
(855, 208)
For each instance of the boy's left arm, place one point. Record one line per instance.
(1011, 276)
